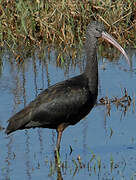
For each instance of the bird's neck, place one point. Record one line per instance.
(91, 70)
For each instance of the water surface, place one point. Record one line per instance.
(103, 146)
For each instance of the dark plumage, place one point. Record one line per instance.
(67, 102)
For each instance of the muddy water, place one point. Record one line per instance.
(103, 145)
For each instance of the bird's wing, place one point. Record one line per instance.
(57, 104)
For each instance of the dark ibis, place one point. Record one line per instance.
(66, 102)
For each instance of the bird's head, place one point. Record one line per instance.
(96, 30)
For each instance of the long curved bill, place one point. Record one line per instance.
(110, 39)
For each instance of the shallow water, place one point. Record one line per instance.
(103, 146)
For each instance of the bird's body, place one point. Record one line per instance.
(63, 104)
(67, 102)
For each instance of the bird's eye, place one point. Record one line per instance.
(97, 29)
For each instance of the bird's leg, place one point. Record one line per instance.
(60, 130)
(57, 155)
(59, 134)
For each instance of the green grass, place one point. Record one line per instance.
(63, 23)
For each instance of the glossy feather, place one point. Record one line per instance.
(66, 102)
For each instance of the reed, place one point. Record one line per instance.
(62, 23)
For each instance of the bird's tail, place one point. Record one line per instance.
(19, 120)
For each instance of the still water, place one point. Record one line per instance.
(102, 146)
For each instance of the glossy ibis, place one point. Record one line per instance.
(66, 102)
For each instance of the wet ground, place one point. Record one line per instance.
(102, 146)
